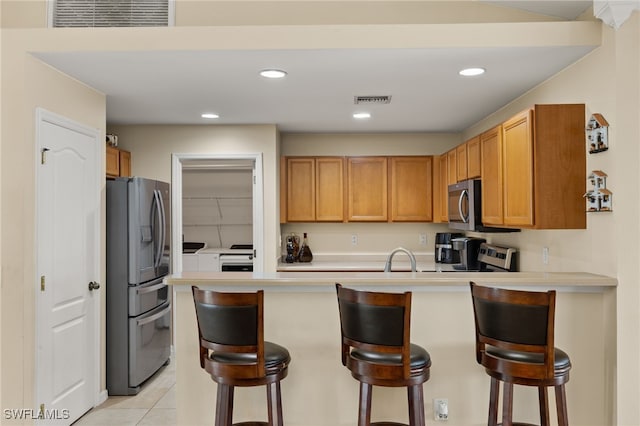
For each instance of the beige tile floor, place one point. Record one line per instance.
(154, 405)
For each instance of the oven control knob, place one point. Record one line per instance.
(94, 285)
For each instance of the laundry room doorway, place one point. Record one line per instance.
(217, 201)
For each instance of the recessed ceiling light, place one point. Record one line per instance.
(361, 115)
(273, 73)
(209, 115)
(471, 72)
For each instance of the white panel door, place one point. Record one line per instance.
(68, 218)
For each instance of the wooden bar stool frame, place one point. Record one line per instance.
(515, 344)
(240, 359)
(370, 373)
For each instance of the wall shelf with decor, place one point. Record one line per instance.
(599, 197)
(597, 134)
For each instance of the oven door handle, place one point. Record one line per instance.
(153, 317)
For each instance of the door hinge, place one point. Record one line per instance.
(43, 155)
(42, 283)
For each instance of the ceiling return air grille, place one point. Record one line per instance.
(358, 100)
(110, 13)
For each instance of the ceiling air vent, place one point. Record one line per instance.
(371, 100)
(110, 13)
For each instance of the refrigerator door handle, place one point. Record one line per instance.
(163, 227)
(158, 256)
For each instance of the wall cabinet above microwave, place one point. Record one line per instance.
(533, 169)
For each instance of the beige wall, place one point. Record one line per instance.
(28, 84)
(33, 13)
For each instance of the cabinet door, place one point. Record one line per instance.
(452, 167)
(113, 162)
(329, 189)
(367, 189)
(125, 163)
(301, 200)
(491, 162)
(474, 168)
(444, 188)
(517, 152)
(461, 162)
(411, 189)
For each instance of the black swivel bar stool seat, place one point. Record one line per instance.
(234, 353)
(515, 344)
(375, 329)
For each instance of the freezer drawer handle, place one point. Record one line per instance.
(150, 289)
(153, 317)
(93, 286)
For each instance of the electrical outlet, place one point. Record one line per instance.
(441, 409)
(423, 239)
(354, 240)
(545, 255)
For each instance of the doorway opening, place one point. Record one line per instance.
(217, 200)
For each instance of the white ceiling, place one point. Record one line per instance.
(428, 95)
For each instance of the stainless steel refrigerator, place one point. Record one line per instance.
(138, 302)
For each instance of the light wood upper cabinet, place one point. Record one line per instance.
(118, 162)
(125, 163)
(474, 168)
(330, 189)
(113, 162)
(452, 166)
(440, 189)
(517, 151)
(367, 189)
(543, 167)
(315, 189)
(461, 162)
(411, 194)
(301, 183)
(491, 160)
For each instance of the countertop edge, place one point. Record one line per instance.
(570, 281)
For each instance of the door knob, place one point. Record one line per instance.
(94, 285)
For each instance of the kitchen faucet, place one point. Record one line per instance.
(412, 258)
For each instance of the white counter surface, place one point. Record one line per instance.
(416, 280)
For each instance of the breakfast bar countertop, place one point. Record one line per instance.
(415, 280)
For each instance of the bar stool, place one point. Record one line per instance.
(234, 353)
(375, 329)
(515, 344)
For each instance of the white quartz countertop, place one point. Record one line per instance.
(580, 281)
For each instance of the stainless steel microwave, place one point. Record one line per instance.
(465, 208)
(465, 211)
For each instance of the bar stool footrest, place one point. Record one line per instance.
(388, 424)
(251, 424)
(519, 424)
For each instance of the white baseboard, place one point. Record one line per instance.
(102, 397)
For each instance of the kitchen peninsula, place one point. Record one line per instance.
(301, 314)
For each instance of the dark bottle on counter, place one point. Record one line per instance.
(305, 250)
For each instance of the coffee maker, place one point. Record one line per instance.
(468, 249)
(444, 252)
